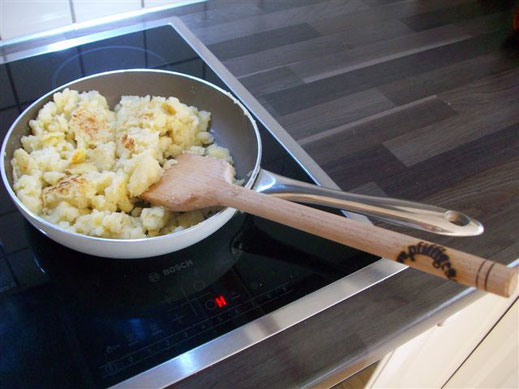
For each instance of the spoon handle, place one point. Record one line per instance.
(407, 213)
(432, 258)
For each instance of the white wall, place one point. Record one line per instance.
(92, 9)
(159, 3)
(25, 17)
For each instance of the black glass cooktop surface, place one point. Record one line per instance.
(72, 320)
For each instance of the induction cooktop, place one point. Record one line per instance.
(72, 320)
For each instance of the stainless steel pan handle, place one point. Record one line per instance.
(407, 213)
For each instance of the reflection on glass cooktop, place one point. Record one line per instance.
(68, 319)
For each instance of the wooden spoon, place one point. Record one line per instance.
(199, 182)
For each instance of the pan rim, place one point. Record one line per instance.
(19, 204)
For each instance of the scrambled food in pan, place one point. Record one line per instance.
(84, 166)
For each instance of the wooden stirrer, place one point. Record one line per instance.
(199, 182)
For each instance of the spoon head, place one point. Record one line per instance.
(194, 182)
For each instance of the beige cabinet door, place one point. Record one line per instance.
(430, 359)
(495, 362)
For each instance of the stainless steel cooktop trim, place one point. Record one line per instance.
(210, 353)
(248, 335)
(16, 51)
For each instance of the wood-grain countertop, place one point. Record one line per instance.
(410, 99)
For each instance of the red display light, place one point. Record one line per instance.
(220, 301)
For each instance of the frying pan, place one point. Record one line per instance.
(233, 128)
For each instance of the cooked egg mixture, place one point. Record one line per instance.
(84, 166)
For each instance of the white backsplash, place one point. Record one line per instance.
(21, 17)
(87, 9)
(25, 17)
(159, 3)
